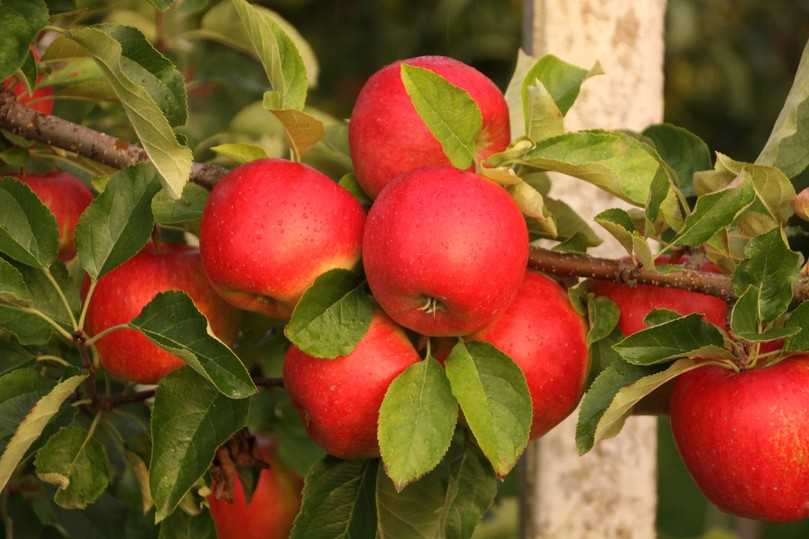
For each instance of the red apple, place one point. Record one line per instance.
(745, 437)
(270, 511)
(388, 137)
(271, 227)
(339, 399)
(67, 197)
(121, 294)
(545, 337)
(636, 302)
(444, 251)
(41, 99)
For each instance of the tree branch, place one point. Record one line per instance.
(112, 151)
(118, 153)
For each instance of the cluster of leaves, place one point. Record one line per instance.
(435, 476)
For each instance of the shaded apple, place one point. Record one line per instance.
(271, 227)
(269, 512)
(67, 197)
(444, 251)
(745, 437)
(121, 294)
(546, 338)
(388, 137)
(339, 399)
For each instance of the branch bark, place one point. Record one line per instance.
(117, 153)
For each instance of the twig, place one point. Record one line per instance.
(268, 383)
(106, 149)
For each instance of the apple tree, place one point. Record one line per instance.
(308, 327)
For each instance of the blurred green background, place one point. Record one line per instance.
(729, 65)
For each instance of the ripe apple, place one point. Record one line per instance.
(271, 510)
(121, 294)
(545, 337)
(444, 251)
(38, 99)
(745, 437)
(339, 399)
(636, 302)
(388, 137)
(67, 197)
(271, 227)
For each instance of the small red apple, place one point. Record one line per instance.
(271, 227)
(545, 337)
(388, 137)
(67, 197)
(121, 294)
(339, 399)
(41, 99)
(745, 437)
(444, 251)
(271, 509)
(636, 302)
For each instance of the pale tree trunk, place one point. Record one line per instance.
(611, 492)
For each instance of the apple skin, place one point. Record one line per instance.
(270, 228)
(339, 399)
(441, 234)
(67, 197)
(636, 302)
(745, 437)
(388, 137)
(121, 294)
(546, 338)
(271, 510)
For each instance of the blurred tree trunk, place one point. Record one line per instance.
(611, 492)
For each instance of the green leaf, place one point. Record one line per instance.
(152, 104)
(569, 224)
(181, 525)
(562, 80)
(185, 211)
(28, 328)
(799, 318)
(416, 422)
(350, 183)
(494, 398)
(613, 418)
(172, 321)
(619, 224)
(687, 336)
(543, 119)
(77, 464)
(772, 269)
(744, 317)
(119, 221)
(332, 315)
(447, 503)
(714, 212)
(532, 205)
(773, 188)
(786, 147)
(513, 94)
(27, 404)
(599, 396)
(190, 420)
(13, 289)
(277, 52)
(21, 21)
(162, 5)
(660, 316)
(685, 152)
(338, 501)
(303, 130)
(27, 227)
(241, 153)
(603, 315)
(449, 112)
(44, 298)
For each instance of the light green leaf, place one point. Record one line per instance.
(184, 212)
(685, 152)
(28, 402)
(449, 112)
(277, 52)
(162, 5)
(562, 80)
(568, 223)
(119, 221)
(513, 94)
(27, 227)
(172, 321)
(494, 398)
(332, 315)
(532, 205)
(190, 420)
(13, 289)
(241, 153)
(620, 225)
(21, 21)
(303, 130)
(772, 187)
(543, 119)
(416, 422)
(181, 525)
(338, 501)
(151, 113)
(686, 336)
(714, 212)
(77, 464)
(799, 318)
